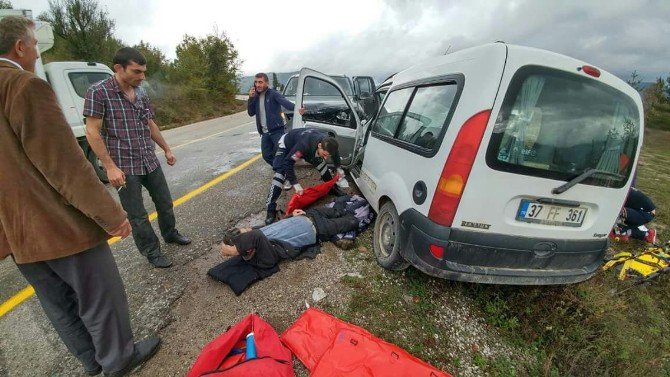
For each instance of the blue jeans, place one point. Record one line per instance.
(298, 231)
(269, 145)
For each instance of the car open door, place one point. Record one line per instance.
(364, 89)
(328, 108)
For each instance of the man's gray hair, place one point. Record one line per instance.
(13, 28)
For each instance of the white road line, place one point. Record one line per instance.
(212, 135)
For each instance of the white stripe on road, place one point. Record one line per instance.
(212, 135)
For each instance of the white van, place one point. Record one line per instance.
(496, 164)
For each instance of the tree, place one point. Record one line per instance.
(275, 81)
(209, 64)
(635, 81)
(6, 4)
(656, 106)
(86, 30)
(156, 61)
(667, 88)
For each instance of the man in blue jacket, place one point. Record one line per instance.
(265, 103)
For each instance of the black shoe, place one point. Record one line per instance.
(160, 261)
(271, 217)
(94, 371)
(336, 191)
(178, 239)
(144, 350)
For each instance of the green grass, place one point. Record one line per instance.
(575, 330)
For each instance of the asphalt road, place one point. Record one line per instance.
(205, 150)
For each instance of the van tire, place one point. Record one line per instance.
(386, 239)
(97, 165)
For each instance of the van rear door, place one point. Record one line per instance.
(553, 121)
(329, 108)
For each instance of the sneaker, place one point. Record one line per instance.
(618, 237)
(651, 236)
(287, 185)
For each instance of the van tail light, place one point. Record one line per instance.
(457, 169)
(591, 71)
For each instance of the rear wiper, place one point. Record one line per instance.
(586, 174)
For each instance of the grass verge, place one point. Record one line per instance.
(601, 327)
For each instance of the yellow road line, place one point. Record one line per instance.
(28, 291)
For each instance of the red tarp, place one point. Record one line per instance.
(310, 195)
(331, 347)
(273, 359)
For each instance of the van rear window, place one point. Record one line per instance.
(556, 125)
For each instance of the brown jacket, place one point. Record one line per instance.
(51, 202)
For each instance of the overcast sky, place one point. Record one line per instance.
(377, 37)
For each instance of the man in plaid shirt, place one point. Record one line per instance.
(121, 131)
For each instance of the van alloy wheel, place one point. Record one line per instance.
(387, 239)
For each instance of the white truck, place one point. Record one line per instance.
(69, 80)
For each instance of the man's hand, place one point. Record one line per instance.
(298, 189)
(122, 230)
(298, 212)
(228, 251)
(252, 92)
(171, 159)
(301, 110)
(116, 177)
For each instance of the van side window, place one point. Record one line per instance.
(81, 81)
(391, 112)
(556, 125)
(426, 115)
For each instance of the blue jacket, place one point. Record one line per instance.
(273, 103)
(302, 143)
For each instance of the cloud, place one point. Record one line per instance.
(618, 37)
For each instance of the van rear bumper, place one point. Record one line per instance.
(482, 257)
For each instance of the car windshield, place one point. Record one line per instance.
(557, 125)
(318, 88)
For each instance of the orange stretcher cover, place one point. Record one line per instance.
(331, 347)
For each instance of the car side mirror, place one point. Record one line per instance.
(365, 95)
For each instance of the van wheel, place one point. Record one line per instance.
(387, 239)
(97, 165)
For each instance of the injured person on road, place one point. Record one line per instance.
(256, 253)
(287, 238)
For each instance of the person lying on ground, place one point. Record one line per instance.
(287, 238)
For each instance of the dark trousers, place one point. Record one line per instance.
(269, 145)
(84, 298)
(279, 178)
(635, 218)
(131, 200)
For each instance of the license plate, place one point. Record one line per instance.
(535, 212)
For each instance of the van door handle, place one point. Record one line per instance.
(562, 202)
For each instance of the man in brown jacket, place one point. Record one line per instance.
(56, 216)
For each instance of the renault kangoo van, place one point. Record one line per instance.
(496, 164)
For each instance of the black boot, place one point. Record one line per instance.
(270, 217)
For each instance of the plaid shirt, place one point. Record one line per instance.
(125, 126)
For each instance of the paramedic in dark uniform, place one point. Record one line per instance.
(310, 144)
